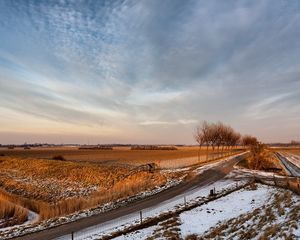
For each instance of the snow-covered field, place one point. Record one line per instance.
(201, 219)
(265, 212)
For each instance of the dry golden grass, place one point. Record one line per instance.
(128, 187)
(43, 185)
(11, 214)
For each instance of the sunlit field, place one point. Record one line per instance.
(82, 179)
(119, 155)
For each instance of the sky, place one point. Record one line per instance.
(147, 71)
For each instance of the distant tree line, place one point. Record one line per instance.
(95, 147)
(294, 143)
(152, 147)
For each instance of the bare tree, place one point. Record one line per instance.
(248, 140)
(199, 138)
(203, 136)
(216, 135)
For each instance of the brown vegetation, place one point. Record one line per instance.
(59, 157)
(121, 190)
(11, 214)
(54, 188)
(119, 155)
(262, 158)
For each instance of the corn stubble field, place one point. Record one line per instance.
(81, 179)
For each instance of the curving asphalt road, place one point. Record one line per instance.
(208, 176)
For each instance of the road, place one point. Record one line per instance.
(208, 176)
(290, 168)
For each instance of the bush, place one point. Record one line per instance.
(59, 157)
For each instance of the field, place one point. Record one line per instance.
(53, 188)
(82, 179)
(120, 155)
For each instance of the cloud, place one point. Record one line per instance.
(130, 65)
(178, 122)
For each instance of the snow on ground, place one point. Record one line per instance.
(200, 219)
(139, 234)
(31, 219)
(249, 213)
(239, 172)
(278, 218)
(191, 197)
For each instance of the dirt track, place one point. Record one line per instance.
(209, 176)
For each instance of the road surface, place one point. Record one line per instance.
(208, 176)
(290, 168)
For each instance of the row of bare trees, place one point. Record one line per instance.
(218, 135)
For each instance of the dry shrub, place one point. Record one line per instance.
(261, 158)
(271, 231)
(59, 157)
(191, 237)
(252, 186)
